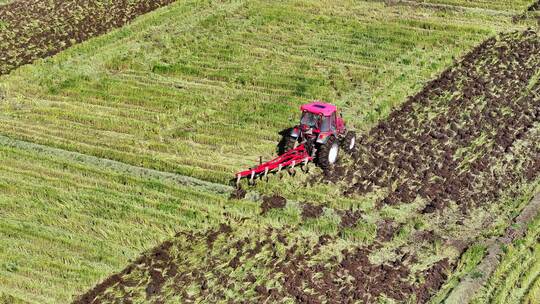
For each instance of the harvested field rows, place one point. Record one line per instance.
(230, 265)
(417, 216)
(67, 224)
(517, 279)
(33, 29)
(173, 92)
(496, 5)
(85, 220)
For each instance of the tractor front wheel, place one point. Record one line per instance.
(327, 154)
(286, 144)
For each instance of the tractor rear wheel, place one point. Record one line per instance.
(327, 154)
(286, 144)
(349, 142)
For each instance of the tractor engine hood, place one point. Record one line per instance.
(304, 130)
(311, 133)
(309, 130)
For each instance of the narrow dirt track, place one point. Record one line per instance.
(116, 166)
(33, 29)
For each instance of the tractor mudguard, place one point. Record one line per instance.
(323, 138)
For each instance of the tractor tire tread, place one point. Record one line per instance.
(322, 153)
(286, 144)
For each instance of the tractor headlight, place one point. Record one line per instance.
(322, 138)
(295, 133)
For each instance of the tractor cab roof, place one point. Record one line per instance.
(319, 108)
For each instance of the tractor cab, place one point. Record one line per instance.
(319, 119)
(319, 116)
(322, 125)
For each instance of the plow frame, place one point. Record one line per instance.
(297, 156)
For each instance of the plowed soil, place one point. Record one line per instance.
(534, 7)
(349, 217)
(289, 264)
(459, 145)
(33, 29)
(444, 142)
(272, 202)
(311, 211)
(238, 193)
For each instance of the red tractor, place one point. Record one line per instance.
(323, 128)
(319, 137)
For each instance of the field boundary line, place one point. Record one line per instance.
(459, 8)
(116, 166)
(468, 287)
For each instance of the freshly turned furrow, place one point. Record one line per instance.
(445, 137)
(33, 29)
(213, 262)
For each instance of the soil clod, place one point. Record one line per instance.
(272, 202)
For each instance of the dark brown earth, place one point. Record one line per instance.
(386, 230)
(534, 7)
(157, 256)
(272, 202)
(211, 236)
(291, 268)
(434, 278)
(412, 155)
(421, 154)
(33, 29)
(369, 281)
(527, 14)
(238, 193)
(161, 267)
(311, 211)
(349, 218)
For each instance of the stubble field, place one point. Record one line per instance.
(200, 89)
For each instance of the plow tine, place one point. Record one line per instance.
(291, 170)
(266, 174)
(289, 160)
(305, 166)
(252, 178)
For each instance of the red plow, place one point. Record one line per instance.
(287, 161)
